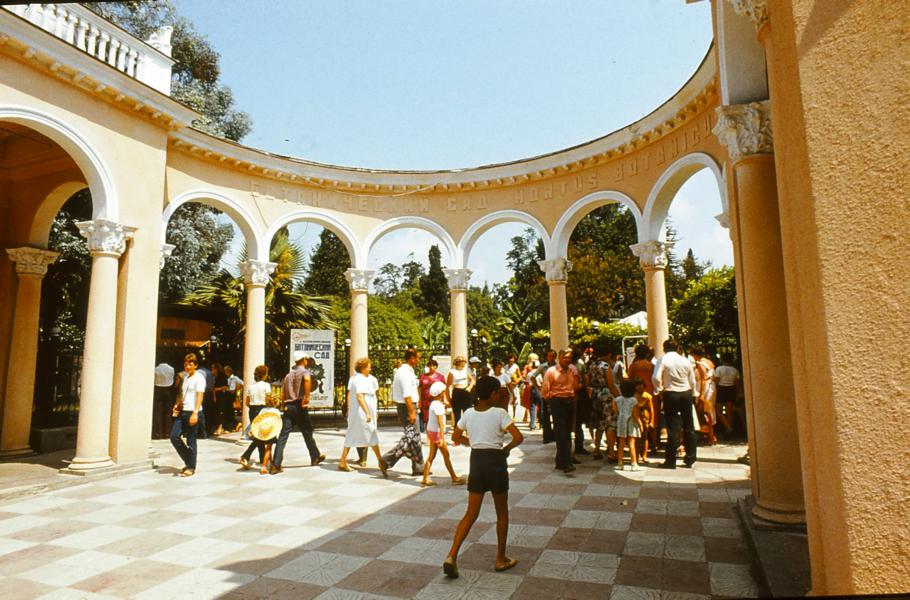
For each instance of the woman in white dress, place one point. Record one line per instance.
(362, 415)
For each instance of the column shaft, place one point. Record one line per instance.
(359, 336)
(656, 305)
(254, 337)
(459, 328)
(559, 315)
(20, 386)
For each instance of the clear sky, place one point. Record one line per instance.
(428, 85)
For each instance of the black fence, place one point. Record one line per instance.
(57, 386)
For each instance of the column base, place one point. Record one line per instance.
(779, 515)
(83, 466)
(21, 452)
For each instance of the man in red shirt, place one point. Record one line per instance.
(560, 384)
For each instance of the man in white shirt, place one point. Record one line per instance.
(405, 393)
(186, 415)
(674, 379)
(162, 401)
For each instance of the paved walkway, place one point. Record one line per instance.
(318, 532)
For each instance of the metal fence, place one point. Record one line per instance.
(56, 400)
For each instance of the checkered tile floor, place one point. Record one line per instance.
(316, 532)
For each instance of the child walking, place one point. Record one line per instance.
(485, 426)
(628, 423)
(436, 434)
(255, 401)
(264, 430)
(646, 416)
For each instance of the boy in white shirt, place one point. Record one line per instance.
(436, 434)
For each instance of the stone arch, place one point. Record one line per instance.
(93, 167)
(256, 249)
(487, 222)
(44, 217)
(668, 184)
(418, 223)
(344, 233)
(559, 246)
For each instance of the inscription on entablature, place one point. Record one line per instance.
(352, 203)
(466, 202)
(666, 150)
(560, 189)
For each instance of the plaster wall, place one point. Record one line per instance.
(838, 78)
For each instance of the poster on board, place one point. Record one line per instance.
(319, 344)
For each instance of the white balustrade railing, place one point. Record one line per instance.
(148, 62)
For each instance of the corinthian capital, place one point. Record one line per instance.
(556, 269)
(458, 278)
(756, 10)
(31, 261)
(105, 237)
(166, 251)
(256, 272)
(359, 279)
(745, 129)
(651, 254)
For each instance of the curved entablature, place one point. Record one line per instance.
(340, 229)
(562, 233)
(699, 90)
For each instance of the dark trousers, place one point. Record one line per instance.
(161, 412)
(678, 413)
(579, 435)
(295, 415)
(562, 410)
(187, 451)
(545, 422)
(226, 406)
(254, 412)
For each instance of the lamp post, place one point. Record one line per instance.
(473, 341)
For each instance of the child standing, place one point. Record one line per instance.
(628, 423)
(485, 426)
(646, 416)
(436, 434)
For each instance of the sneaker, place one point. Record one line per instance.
(620, 467)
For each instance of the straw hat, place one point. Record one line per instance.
(265, 426)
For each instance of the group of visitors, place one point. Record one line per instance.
(220, 400)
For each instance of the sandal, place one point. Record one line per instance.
(459, 481)
(345, 468)
(384, 467)
(428, 483)
(510, 562)
(450, 568)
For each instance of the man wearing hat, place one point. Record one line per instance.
(296, 395)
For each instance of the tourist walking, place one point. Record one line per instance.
(546, 424)
(427, 379)
(628, 424)
(255, 401)
(485, 426)
(436, 434)
(460, 382)
(727, 378)
(675, 380)
(295, 392)
(186, 415)
(363, 415)
(162, 401)
(264, 430)
(560, 384)
(405, 395)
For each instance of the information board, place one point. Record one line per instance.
(319, 345)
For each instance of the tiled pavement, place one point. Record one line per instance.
(316, 532)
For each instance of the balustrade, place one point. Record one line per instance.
(147, 61)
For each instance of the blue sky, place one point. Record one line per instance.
(428, 85)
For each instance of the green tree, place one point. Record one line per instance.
(527, 286)
(200, 242)
(706, 314)
(434, 287)
(691, 268)
(435, 332)
(388, 280)
(328, 264)
(515, 325)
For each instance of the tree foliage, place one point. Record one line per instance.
(328, 264)
(706, 314)
(434, 286)
(199, 243)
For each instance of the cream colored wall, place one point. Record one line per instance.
(838, 76)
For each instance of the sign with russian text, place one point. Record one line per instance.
(319, 345)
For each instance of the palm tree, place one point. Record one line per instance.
(516, 322)
(286, 306)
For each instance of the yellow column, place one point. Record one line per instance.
(745, 129)
(458, 287)
(359, 280)
(106, 243)
(31, 266)
(255, 277)
(652, 256)
(556, 271)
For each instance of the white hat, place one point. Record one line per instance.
(474, 359)
(299, 355)
(437, 389)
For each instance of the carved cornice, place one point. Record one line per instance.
(651, 255)
(31, 261)
(459, 279)
(166, 251)
(556, 270)
(755, 10)
(105, 238)
(256, 273)
(745, 129)
(359, 279)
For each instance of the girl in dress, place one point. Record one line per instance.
(483, 428)
(436, 434)
(362, 415)
(628, 423)
(646, 417)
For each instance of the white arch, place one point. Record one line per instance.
(416, 223)
(668, 184)
(93, 167)
(257, 249)
(578, 211)
(487, 222)
(337, 227)
(43, 220)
